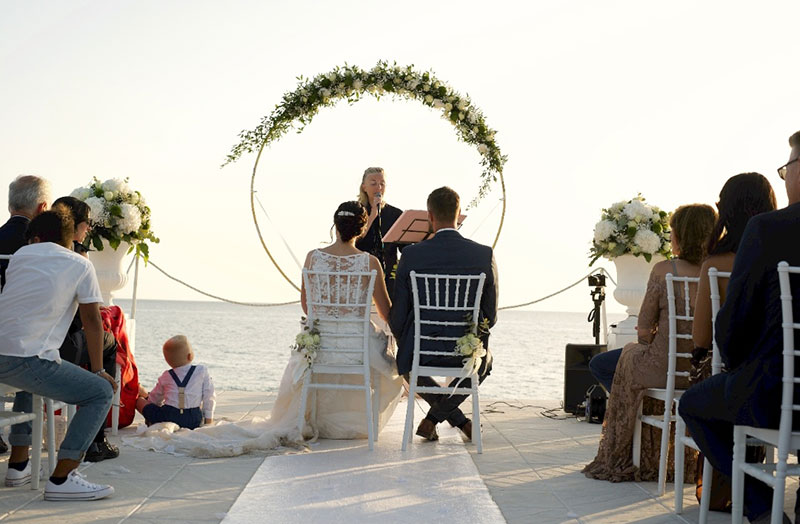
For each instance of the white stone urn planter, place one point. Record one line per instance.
(632, 275)
(108, 266)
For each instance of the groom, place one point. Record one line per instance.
(446, 253)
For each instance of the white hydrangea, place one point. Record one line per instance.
(647, 241)
(97, 208)
(603, 230)
(81, 193)
(638, 209)
(358, 84)
(131, 219)
(483, 149)
(438, 104)
(116, 185)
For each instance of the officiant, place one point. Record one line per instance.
(382, 216)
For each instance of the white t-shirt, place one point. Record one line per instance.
(45, 283)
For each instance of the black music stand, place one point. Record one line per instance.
(412, 227)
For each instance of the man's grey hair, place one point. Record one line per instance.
(26, 192)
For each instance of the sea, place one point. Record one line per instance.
(246, 348)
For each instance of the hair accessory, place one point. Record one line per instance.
(345, 214)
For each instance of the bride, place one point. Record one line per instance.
(340, 414)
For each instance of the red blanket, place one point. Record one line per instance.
(114, 322)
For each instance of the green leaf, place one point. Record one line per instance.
(647, 256)
(631, 231)
(115, 210)
(97, 242)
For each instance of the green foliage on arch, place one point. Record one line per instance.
(351, 83)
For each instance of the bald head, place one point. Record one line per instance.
(177, 351)
(28, 196)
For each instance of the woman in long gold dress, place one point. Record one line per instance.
(643, 364)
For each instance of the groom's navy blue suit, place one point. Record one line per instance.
(750, 340)
(446, 253)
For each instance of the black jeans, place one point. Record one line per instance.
(444, 406)
(75, 349)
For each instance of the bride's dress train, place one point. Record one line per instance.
(340, 414)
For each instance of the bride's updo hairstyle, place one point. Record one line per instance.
(350, 220)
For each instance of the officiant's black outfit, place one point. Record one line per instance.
(372, 243)
(750, 340)
(446, 253)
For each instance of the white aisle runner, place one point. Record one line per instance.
(342, 481)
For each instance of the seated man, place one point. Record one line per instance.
(750, 340)
(27, 197)
(48, 273)
(449, 253)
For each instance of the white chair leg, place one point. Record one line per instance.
(662, 459)
(407, 434)
(476, 416)
(770, 451)
(778, 490)
(51, 436)
(36, 441)
(115, 402)
(737, 480)
(301, 413)
(376, 409)
(705, 498)
(369, 413)
(680, 433)
(637, 436)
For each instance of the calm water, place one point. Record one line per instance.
(246, 348)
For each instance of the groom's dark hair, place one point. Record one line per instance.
(443, 204)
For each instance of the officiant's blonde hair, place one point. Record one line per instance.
(363, 198)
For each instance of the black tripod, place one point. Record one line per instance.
(598, 296)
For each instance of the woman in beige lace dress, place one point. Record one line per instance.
(643, 365)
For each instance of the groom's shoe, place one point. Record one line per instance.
(427, 430)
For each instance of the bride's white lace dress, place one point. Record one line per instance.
(340, 414)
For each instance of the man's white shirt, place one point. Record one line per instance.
(45, 282)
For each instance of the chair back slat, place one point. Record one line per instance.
(447, 290)
(674, 335)
(788, 407)
(342, 302)
(716, 303)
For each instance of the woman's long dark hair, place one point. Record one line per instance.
(742, 197)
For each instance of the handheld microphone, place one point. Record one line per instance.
(378, 198)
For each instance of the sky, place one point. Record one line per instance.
(593, 102)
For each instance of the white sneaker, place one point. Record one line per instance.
(15, 478)
(76, 487)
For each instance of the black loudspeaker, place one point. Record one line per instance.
(577, 377)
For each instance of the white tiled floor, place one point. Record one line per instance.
(530, 465)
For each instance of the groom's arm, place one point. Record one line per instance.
(490, 292)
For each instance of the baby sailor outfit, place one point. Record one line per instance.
(183, 395)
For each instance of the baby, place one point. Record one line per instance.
(180, 391)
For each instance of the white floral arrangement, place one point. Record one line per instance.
(471, 347)
(307, 343)
(118, 214)
(634, 227)
(351, 83)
